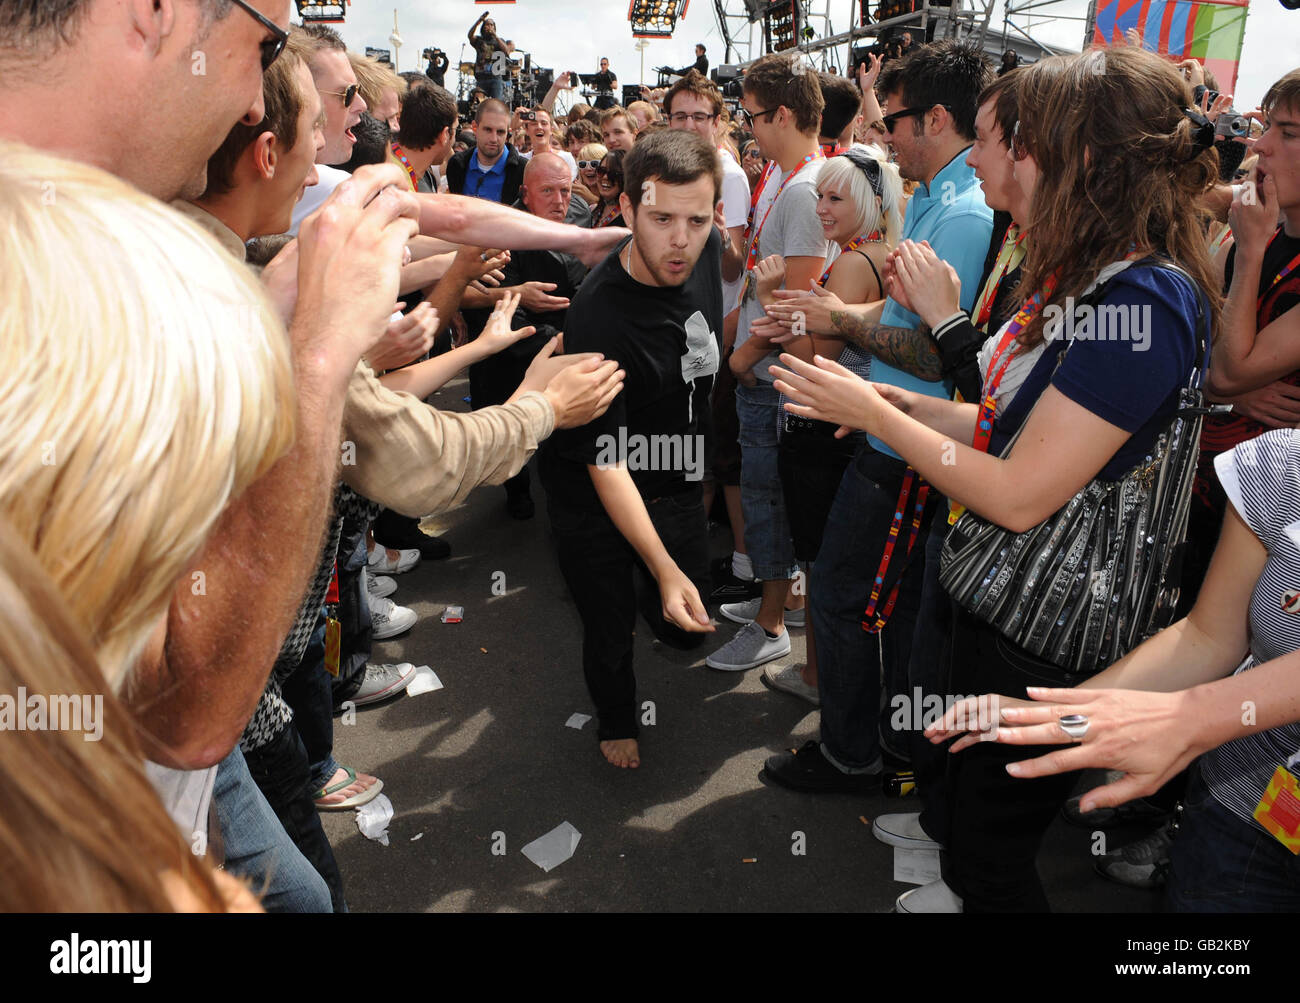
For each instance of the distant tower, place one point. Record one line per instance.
(395, 39)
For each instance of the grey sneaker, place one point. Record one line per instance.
(789, 680)
(750, 647)
(903, 829)
(746, 612)
(1143, 864)
(382, 682)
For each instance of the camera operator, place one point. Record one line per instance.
(437, 68)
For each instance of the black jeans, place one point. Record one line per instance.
(353, 611)
(609, 583)
(997, 820)
(281, 772)
(928, 673)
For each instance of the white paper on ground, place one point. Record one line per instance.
(425, 681)
(577, 721)
(418, 835)
(554, 848)
(373, 819)
(916, 867)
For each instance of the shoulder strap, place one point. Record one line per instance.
(880, 284)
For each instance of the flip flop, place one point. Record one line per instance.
(355, 801)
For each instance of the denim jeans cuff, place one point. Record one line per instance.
(877, 766)
(321, 774)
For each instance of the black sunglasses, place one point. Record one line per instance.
(271, 47)
(889, 120)
(348, 95)
(750, 117)
(609, 172)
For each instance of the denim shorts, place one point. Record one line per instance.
(767, 527)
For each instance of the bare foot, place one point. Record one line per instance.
(363, 783)
(622, 752)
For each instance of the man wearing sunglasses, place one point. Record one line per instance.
(931, 97)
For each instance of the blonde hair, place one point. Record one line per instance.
(374, 78)
(82, 829)
(887, 213)
(593, 151)
(144, 382)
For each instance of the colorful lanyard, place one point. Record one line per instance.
(1287, 269)
(608, 215)
(1009, 259)
(397, 152)
(852, 245)
(873, 622)
(754, 197)
(753, 245)
(833, 150)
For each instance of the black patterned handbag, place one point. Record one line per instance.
(1090, 583)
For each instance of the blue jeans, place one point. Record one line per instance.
(849, 659)
(1222, 863)
(490, 84)
(309, 691)
(767, 527)
(257, 847)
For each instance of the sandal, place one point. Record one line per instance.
(355, 801)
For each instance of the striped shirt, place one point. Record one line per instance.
(1261, 478)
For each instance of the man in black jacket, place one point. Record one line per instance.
(492, 170)
(701, 64)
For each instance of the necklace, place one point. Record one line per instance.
(630, 273)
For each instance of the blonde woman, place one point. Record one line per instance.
(164, 389)
(588, 184)
(381, 89)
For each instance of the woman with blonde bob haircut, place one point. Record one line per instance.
(145, 381)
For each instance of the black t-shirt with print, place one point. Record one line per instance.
(664, 338)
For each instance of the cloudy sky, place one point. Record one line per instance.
(574, 34)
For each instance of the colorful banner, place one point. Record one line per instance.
(1208, 30)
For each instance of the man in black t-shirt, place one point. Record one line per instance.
(624, 492)
(606, 86)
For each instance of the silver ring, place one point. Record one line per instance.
(483, 257)
(1074, 725)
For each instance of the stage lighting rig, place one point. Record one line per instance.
(320, 13)
(655, 18)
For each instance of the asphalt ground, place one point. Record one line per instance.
(486, 764)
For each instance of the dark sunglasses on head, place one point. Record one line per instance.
(273, 46)
(889, 120)
(348, 95)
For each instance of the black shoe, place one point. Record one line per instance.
(735, 590)
(521, 506)
(808, 770)
(410, 537)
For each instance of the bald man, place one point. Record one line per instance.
(545, 280)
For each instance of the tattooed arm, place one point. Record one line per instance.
(910, 349)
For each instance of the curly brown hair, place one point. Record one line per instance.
(1118, 171)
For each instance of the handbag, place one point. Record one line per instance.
(1090, 583)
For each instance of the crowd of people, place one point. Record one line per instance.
(994, 378)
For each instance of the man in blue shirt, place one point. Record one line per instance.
(492, 170)
(869, 571)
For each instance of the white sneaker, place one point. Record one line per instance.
(380, 564)
(388, 619)
(747, 612)
(379, 586)
(934, 897)
(749, 648)
(790, 680)
(903, 829)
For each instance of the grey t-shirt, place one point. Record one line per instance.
(792, 230)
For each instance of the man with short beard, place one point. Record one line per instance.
(492, 170)
(654, 305)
